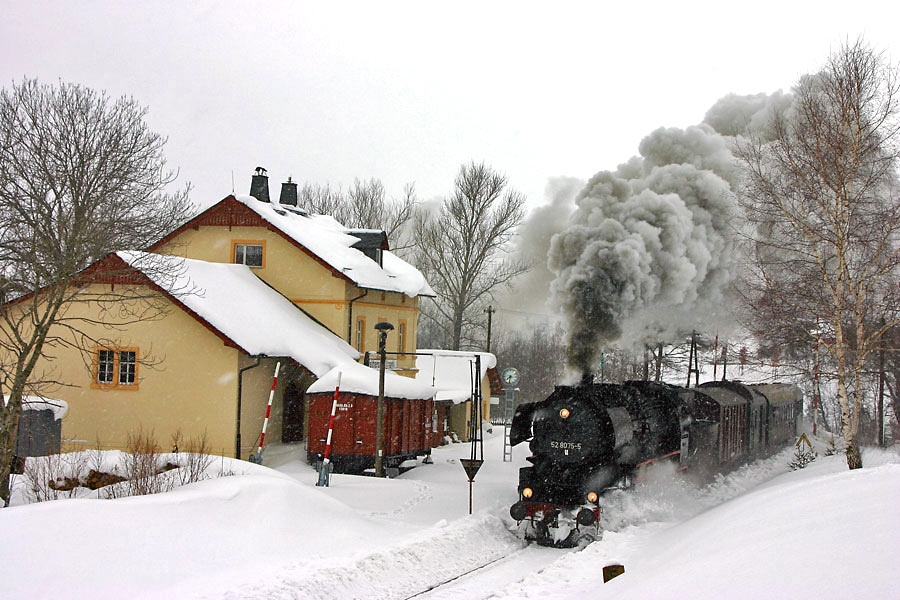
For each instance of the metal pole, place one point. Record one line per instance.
(490, 311)
(262, 436)
(240, 391)
(379, 416)
(715, 356)
(383, 328)
(325, 468)
(724, 359)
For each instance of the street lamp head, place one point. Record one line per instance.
(384, 326)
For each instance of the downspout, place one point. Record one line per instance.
(237, 437)
(350, 317)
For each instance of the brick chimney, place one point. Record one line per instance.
(288, 193)
(259, 186)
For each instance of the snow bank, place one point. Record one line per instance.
(822, 532)
(199, 537)
(760, 532)
(419, 562)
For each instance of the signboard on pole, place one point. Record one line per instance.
(471, 467)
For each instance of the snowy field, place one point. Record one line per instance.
(762, 532)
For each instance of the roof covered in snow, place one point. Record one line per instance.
(360, 379)
(58, 407)
(451, 372)
(234, 301)
(332, 242)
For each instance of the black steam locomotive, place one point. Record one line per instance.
(589, 438)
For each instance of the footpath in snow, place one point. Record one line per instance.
(763, 531)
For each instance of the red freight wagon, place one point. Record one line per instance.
(407, 426)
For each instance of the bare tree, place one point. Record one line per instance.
(81, 176)
(822, 194)
(365, 206)
(461, 251)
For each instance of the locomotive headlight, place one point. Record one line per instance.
(564, 413)
(527, 493)
(592, 497)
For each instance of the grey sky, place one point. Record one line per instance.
(407, 91)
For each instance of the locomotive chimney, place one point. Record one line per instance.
(587, 378)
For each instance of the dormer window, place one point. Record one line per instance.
(250, 253)
(372, 243)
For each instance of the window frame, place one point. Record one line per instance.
(245, 243)
(361, 334)
(401, 335)
(113, 369)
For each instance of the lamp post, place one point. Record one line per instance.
(383, 327)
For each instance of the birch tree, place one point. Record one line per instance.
(81, 176)
(822, 195)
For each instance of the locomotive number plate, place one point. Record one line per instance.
(565, 445)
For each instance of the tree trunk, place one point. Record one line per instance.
(854, 458)
(9, 431)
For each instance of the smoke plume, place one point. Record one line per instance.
(648, 251)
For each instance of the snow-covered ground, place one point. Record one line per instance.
(762, 532)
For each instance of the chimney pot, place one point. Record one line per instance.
(288, 193)
(259, 185)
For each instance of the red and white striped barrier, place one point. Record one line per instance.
(262, 436)
(325, 469)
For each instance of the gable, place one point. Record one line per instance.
(229, 212)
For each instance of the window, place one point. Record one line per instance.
(106, 360)
(127, 367)
(250, 253)
(361, 335)
(401, 336)
(116, 368)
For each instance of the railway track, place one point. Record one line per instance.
(502, 571)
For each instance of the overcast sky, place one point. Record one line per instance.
(408, 91)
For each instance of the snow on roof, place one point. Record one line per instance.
(329, 240)
(450, 372)
(245, 309)
(59, 407)
(360, 379)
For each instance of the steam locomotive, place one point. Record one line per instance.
(588, 438)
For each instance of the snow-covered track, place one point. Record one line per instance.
(460, 576)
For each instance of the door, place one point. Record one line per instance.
(292, 425)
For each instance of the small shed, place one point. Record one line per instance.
(40, 429)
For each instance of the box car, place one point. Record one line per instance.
(410, 429)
